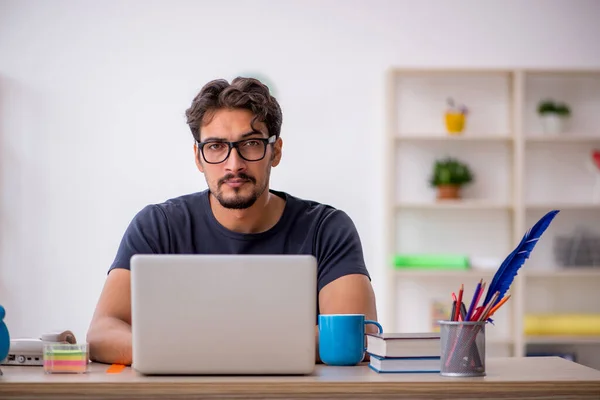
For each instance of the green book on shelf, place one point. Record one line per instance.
(441, 261)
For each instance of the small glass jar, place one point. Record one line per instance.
(65, 358)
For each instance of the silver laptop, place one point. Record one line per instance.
(223, 314)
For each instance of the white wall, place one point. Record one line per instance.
(92, 98)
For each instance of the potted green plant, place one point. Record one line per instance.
(448, 176)
(553, 115)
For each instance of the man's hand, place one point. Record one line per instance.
(350, 294)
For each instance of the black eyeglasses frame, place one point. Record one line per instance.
(231, 145)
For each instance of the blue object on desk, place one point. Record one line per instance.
(342, 338)
(4, 337)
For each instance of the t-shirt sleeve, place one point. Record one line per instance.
(147, 233)
(338, 249)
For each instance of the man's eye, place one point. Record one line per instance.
(215, 146)
(251, 143)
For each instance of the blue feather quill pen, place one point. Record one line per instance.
(515, 260)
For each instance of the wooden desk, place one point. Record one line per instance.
(508, 378)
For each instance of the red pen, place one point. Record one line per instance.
(459, 301)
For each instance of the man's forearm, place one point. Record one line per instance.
(110, 341)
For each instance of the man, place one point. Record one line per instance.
(236, 128)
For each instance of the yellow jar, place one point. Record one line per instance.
(455, 122)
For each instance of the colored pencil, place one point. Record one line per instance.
(474, 301)
(497, 306)
(459, 301)
(488, 307)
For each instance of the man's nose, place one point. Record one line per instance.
(235, 162)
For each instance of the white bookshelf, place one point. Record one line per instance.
(454, 205)
(520, 174)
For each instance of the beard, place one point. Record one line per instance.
(239, 200)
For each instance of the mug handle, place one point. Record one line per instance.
(377, 324)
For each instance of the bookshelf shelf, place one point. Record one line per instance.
(480, 273)
(520, 173)
(562, 339)
(443, 137)
(454, 205)
(563, 206)
(570, 272)
(575, 139)
(443, 273)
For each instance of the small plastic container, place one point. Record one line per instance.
(65, 358)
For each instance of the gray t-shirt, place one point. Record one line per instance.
(186, 225)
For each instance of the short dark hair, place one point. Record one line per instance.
(244, 93)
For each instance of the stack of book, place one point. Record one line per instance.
(404, 352)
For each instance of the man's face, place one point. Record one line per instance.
(236, 183)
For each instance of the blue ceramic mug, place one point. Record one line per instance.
(342, 338)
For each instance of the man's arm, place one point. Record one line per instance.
(343, 280)
(109, 334)
(350, 294)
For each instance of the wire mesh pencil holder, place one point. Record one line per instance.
(462, 348)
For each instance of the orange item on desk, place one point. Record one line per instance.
(115, 369)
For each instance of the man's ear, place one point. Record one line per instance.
(197, 156)
(277, 150)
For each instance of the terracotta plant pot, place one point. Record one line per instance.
(448, 192)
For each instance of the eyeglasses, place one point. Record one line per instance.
(217, 151)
